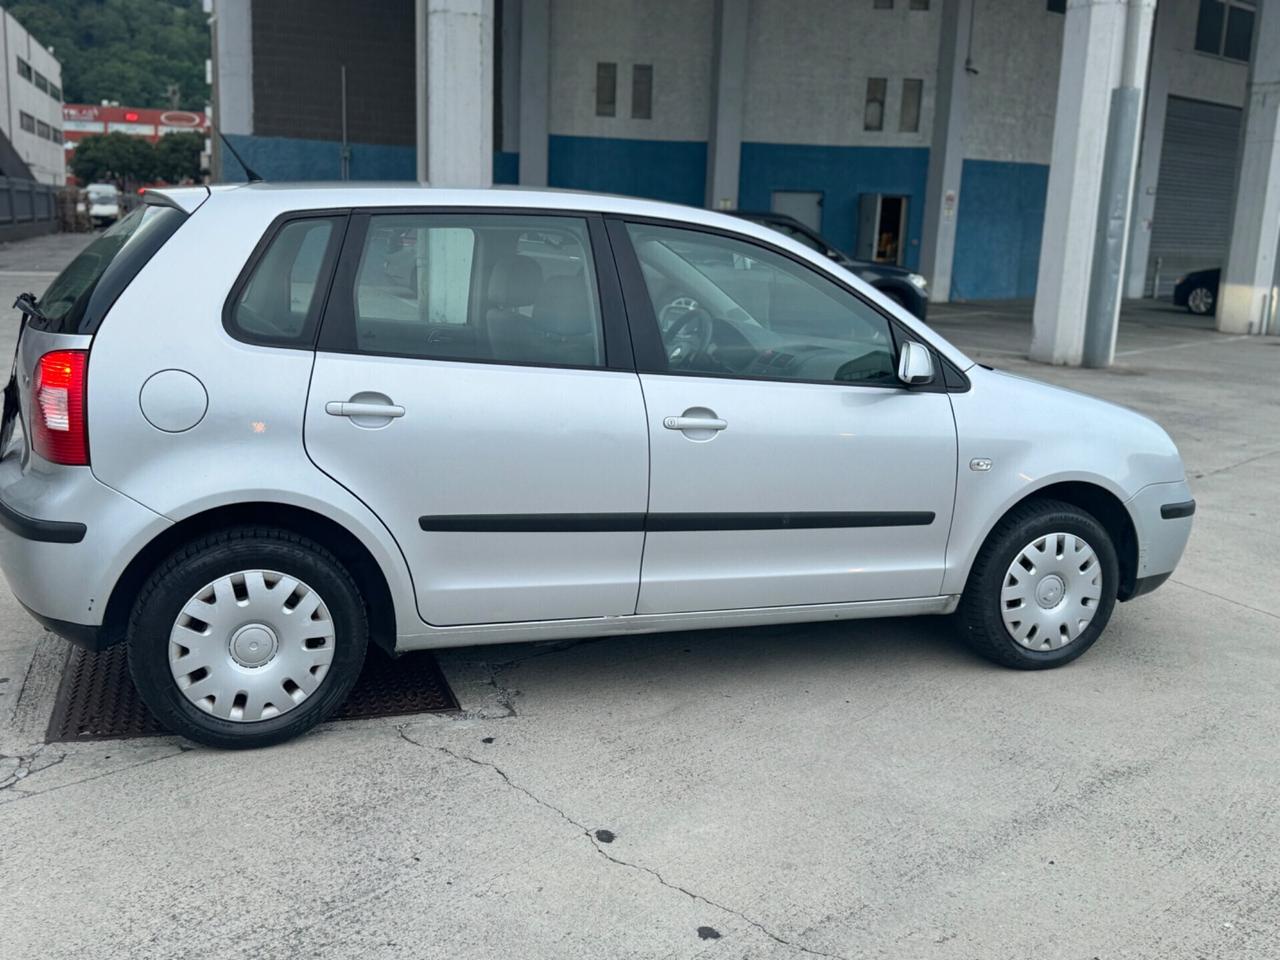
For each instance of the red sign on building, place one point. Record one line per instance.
(80, 120)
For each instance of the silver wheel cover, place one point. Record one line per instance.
(1051, 591)
(1200, 300)
(251, 645)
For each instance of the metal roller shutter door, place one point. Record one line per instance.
(1192, 222)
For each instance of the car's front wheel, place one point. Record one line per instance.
(247, 637)
(1042, 587)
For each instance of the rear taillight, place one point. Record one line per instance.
(58, 429)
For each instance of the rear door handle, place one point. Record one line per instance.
(353, 408)
(694, 423)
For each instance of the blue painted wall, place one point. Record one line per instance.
(1001, 218)
(841, 174)
(289, 158)
(674, 170)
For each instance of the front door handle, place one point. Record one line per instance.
(694, 423)
(355, 408)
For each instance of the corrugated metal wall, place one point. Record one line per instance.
(1192, 223)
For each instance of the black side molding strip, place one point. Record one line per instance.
(1175, 511)
(668, 522)
(45, 531)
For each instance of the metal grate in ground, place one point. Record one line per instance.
(96, 699)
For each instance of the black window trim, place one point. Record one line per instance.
(311, 327)
(337, 323)
(651, 356)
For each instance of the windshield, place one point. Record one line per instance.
(82, 293)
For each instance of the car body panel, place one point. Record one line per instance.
(248, 446)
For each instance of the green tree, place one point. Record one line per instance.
(114, 156)
(178, 157)
(132, 51)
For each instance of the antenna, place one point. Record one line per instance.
(250, 174)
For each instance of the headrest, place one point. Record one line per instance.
(515, 282)
(562, 308)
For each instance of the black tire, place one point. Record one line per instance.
(979, 616)
(204, 560)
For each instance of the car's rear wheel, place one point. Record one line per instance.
(1200, 301)
(1042, 588)
(247, 637)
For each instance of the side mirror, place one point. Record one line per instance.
(915, 364)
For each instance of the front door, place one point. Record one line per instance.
(463, 389)
(788, 464)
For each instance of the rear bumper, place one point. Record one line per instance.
(65, 539)
(1161, 515)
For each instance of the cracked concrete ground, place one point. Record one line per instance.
(836, 790)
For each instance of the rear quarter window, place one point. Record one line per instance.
(278, 299)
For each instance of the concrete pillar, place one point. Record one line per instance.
(454, 55)
(1105, 49)
(946, 150)
(1163, 50)
(728, 91)
(232, 29)
(535, 78)
(1247, 296)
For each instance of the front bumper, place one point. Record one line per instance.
(1161, 515)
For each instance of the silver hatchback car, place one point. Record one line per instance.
(263, 426)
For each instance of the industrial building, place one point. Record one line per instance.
(1005, 148)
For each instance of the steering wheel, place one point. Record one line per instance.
(686, 332)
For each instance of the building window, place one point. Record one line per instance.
(909, 118)
(24, 69)
(42, 82)
(1225, 29)
(1057, 6)
(606, 89)
(642, 91)
(42, 130)
(873, 113)
(55, 92)
(882, 4)
(27, 121)
(918, 5)
(57, 135)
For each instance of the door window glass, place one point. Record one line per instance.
(728, 307)
(282, 297)
(491, 288)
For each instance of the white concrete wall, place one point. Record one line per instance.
(46, 158)
(676, 38)
(808, 64)
(1196, 75)
(1017, 48)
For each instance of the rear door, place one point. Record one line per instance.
(473, 384)
(789, 465)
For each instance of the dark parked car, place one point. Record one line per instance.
(897, 283)
(1198, 291)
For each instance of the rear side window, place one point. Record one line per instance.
(279, 301)
(492, 288)
(81, 295)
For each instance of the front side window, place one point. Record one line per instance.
(489, 287)
(281, 300)
(728, 307)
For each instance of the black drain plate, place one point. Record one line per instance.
(96, 699)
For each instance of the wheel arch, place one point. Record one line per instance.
(330, 534)
(1100, 503)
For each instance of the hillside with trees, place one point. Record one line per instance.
(141, 53)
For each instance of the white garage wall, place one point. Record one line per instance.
(676, 38)
(808, 64)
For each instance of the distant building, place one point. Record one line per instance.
(31, 104)
(80, 120)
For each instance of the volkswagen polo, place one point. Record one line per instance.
(252, 429)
